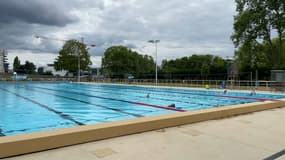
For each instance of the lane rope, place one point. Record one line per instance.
(115, 99)
(201, 94)
(62, 115)
(97, 105)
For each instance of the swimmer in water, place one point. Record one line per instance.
(225, 91)
(147, 96)
(172, 106)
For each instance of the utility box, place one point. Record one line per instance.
(278, 75)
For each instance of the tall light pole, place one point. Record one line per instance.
(155, 42)
(79, 72)
(79, 69)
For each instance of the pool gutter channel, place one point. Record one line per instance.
(114, 99)
(151, 97)
(40, 141)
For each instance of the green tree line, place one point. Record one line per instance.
(119, 60)
(195, 64)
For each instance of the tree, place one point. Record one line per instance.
(218, 65)
(196, 64)
(257, 20)
(16, 64)
(205, 69)
(68, 57)
(254, 56)
(121, 60)
(29, 67)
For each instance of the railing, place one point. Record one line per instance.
(14, 78)
(214, 84)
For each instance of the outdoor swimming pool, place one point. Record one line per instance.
(32, 107)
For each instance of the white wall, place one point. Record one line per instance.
(53, 71)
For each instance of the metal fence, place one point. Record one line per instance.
(214, 84)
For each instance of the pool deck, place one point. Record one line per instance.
(248, 137)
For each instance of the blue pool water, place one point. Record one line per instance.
(32, 107)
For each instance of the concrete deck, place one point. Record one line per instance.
(248, 137)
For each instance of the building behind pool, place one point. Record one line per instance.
(278, 75)
(3, 61)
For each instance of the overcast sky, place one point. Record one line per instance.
(184, 27)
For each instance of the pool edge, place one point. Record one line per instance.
(40, 141)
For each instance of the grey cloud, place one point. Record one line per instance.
(193, 24)
(131, 46)
(36, 12)
(184, 27)
(20, 36)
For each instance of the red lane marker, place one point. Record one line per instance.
(156, 106)
(238, 97)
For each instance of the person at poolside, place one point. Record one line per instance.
(252, 93)
(207, 86)
(223, 85)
